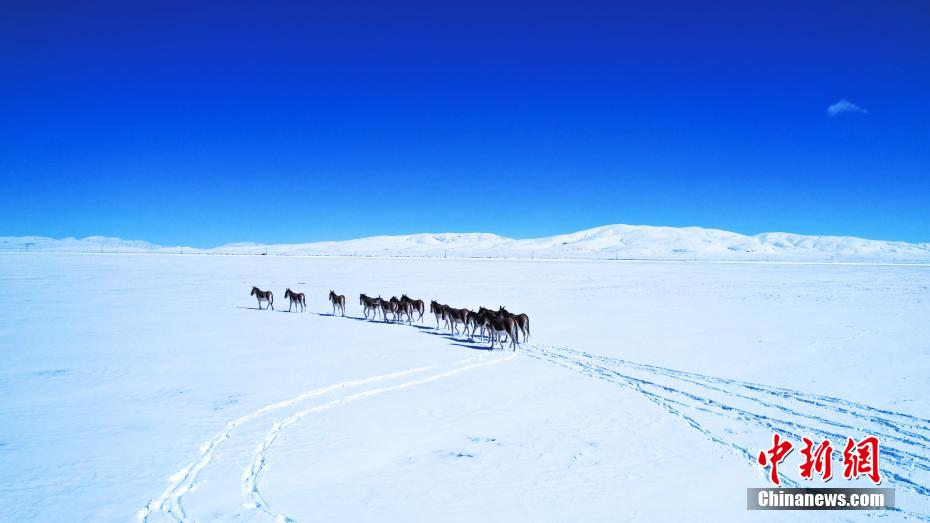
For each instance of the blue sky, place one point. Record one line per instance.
(284, 122)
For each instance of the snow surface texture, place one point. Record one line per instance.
(151, 388)
(608, 242)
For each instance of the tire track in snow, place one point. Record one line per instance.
(252, 496)
(707, 402)
(184, 480)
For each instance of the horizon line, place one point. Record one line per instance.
(426, 233)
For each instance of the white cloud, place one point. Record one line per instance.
(845, 106)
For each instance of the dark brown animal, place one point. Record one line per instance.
(368, 304)
(296, 297)
(436, 308)
(475, 321)
(418, 305)
(402, 308)
(523, 321)
(454, 317)
(338, 301)
(502, 325)
(261, 296)
(387, 306)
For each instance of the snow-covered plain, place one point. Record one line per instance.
(149, 387)
(609, 242)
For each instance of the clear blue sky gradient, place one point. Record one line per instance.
(299, 121)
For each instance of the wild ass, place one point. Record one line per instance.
(436, 308)
(502, 325)
(338, 301)
(296, 297)
(261, 296)
(454, 316)
(368, 304)
(387, 306)
(474, 321)
(402, 308)
(418, 305)
(523, 321)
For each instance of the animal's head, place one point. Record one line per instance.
(404, 297)
(254, 290)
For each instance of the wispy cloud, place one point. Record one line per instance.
(844, 106)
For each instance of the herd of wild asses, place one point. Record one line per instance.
(492, 325)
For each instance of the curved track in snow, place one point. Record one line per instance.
(733, 413)
(251, 494)
(184, 480)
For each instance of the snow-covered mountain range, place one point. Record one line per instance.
(606, 242)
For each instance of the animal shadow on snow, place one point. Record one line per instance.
(459, 341)
(331, 315)
(473, 346)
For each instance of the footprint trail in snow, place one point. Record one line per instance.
(742, 417)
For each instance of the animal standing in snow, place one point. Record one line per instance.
(369, 304)
(387, 306)
(474, 321)
(418, 305)
(297, 298)
(261, 296)
(436, 308)
(338, 301)
(502, 325)
(454, 317)
(523, 321)
(402, 308)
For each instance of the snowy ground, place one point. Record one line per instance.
(148, 386)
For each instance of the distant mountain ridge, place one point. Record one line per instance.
(606, 242)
